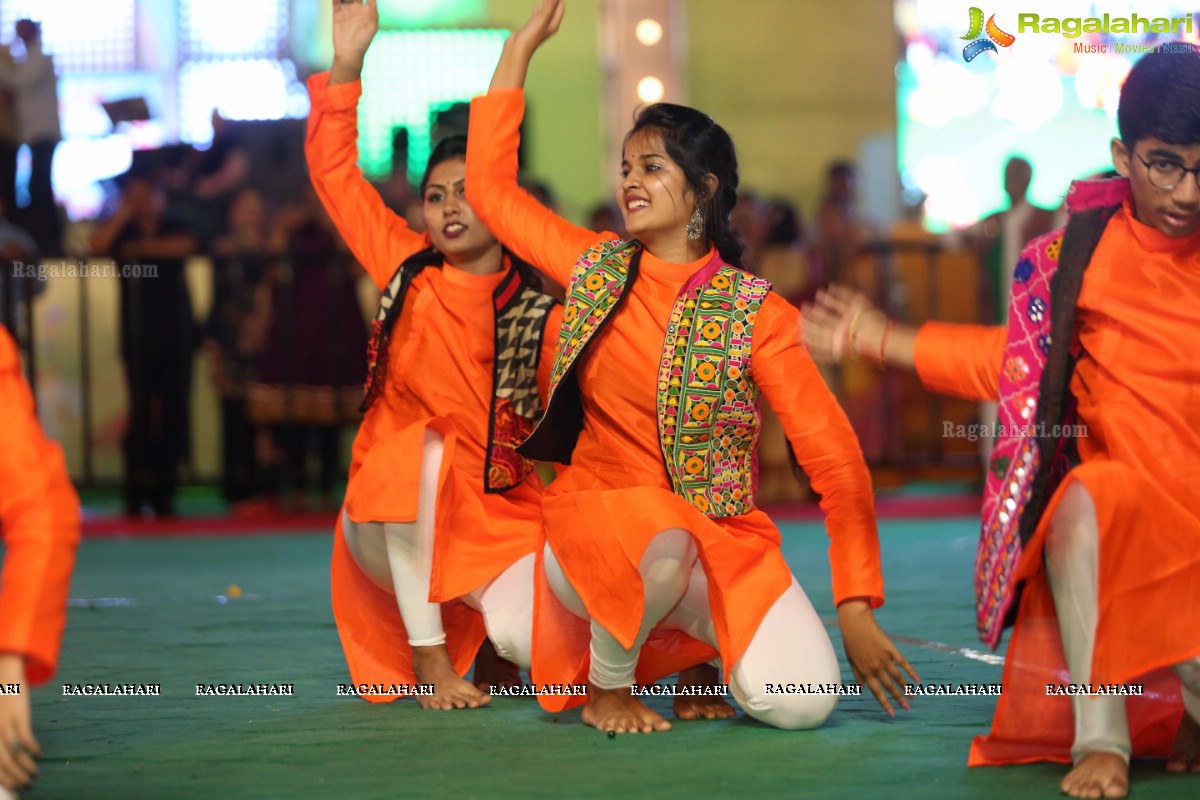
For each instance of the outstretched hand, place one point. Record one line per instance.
(543, 23)
(875, 661)
(826, 322)
(525, 40)
(355, 24)
(18, 748)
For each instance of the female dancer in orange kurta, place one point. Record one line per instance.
(1112, 571)
(39, 520)
(634, 568)
(441, 518)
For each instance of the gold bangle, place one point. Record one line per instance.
(850, 335)
(850, 341)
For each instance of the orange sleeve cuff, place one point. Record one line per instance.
(960, 360)
(333, 98)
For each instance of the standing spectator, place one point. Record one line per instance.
(16, 247)
(9, 142)
(35, 87)
(840, 230)
(311, 368)
(157, 336)
(782, 261)
(999, 239)
(240, 258)
(1001, 236)
(749, 221)
(220, 171)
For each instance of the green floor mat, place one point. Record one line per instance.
(161, 611)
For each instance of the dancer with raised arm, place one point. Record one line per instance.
(435, 545)
(657, 557)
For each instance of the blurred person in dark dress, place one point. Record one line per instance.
(157, 340)
(34, 85)
(313, 354)
(241, 256)
(9, 141)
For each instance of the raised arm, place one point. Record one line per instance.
(379, 238)
(827, 448)
(953, 359)
(529, 229)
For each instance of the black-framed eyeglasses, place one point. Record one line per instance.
(1166, 174)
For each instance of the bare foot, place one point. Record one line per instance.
(1185, 756)
(432, 666)
(492, 670)
(701, 706)
(618, 711)
(1100, 774)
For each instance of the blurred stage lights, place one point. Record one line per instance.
(649, 32)
(650, 89)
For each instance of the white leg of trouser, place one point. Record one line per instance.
(1073, 567)
(665, 567)
(790, 646)
(399, 556)
(1189, 674)
(506, 603)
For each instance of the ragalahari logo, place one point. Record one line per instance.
(994, 34)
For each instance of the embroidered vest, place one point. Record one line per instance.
(707, 401)
(1032, 454)
(520, 309)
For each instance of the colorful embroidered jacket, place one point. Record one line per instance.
(520, 321)
(1027, 462)
(707, 399)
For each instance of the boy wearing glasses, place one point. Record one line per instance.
(1091, 525)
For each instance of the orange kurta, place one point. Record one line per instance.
(1137, 384)
(39, 521)
(439, 377)
(616, 496)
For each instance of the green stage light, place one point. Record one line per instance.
(424, 13)
(411, 75)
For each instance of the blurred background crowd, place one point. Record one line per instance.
(160, 133)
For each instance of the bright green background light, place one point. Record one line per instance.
(408, 77)
(424, 13)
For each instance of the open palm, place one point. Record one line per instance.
(542, 24)
(354, 26)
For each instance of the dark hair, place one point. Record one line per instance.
(1161, 97)
(28, 30)
(447, 149)
(841, 169)
(783, 224)
(700, 147)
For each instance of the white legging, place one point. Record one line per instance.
(398, 557)
(1073, 567)
(790, 645)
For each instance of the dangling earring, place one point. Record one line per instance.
(695, 225)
